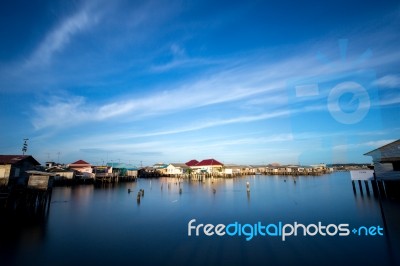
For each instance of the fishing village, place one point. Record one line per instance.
(24, 181)
(22, 176)
(30, 193)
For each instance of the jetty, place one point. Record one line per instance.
(385, 176)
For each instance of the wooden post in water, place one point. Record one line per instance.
(360, 186)
(381, 187)
(50, 191)
(354, 187)
(367, 187)
(380, 204)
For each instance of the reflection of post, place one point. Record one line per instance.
(367, 187)
(361, 189)
(354, 187)
(385, 225)
(380, 206)
(248, 190)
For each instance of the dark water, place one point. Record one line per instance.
(105, 225)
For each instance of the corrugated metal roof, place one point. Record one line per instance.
(122, 166)
(182, 165)
(396, 142)
(13, 159)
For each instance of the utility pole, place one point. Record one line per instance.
(25, 146)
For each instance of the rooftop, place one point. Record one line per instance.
(209, 162)
(192, 163)
(13, 159)
(80, 162)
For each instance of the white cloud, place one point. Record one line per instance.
(371, 144)
(60, 36)
(252, 79)
(388, 81)
(60, 112)
(226, 86)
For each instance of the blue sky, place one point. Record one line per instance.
(169, 81)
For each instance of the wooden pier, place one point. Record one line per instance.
(107, 177)
(364, 181)
(35, 196)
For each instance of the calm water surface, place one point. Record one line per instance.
(105, 225)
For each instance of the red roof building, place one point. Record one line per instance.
(81, 166)
(80, 162)
(209, 162)
(192, 163)
(208, 165)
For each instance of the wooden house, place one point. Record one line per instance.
(13, 169)
(208, 166)
(386, 160)
(123, 170)
(40, 180)
(233, 169)
(176, 169)
(62, 173)
(81, 166)
(161, 168)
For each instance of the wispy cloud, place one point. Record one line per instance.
(61, 35)
(200, 125)
(242, 79)
(371, 144)
(226, 86)
(60, 112)
(388, 81)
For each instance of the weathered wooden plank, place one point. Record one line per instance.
(40, 182)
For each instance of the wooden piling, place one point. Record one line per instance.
(367, 187)
(354, 187)
(360, 186)
(375, 188)
(381, 187)
(138, 198)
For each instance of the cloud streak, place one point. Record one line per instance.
(57, 39)
(388, 81)
(241, 80)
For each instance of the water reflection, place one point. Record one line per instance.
(105, 224)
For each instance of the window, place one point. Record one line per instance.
(16, 172)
